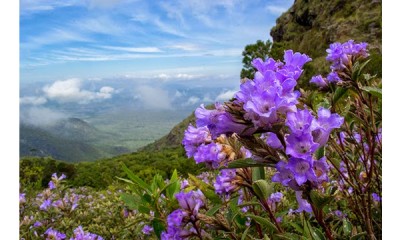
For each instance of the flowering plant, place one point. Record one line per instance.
(285, 163)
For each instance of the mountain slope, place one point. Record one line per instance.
(173, 139)
(35, 141)
(309, 26)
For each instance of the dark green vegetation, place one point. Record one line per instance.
(35, 172)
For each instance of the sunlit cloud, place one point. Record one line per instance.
(70, 90)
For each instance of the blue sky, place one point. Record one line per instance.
(176, 39)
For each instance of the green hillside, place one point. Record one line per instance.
(309, 26)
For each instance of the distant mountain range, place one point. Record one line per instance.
(69, 139)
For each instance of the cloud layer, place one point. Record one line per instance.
(70, 90)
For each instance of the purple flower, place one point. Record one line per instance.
(52, 185)
(283, 175)
(191, 201)
(54, 234)
(268, 65)
(324, 125)
(376, 197)
(80, 234)
(341, 54)
(224, 183)
(173, 233)
(299, 122)
(147, 230)
(300, 146)
(184, 184)
(194, 137)
(218, 121)
(275, 197)
(261, 109)
(302, 170)
(294, 62)
(303, 204)
(59, 204)
(321, 170)
(55, 178)
(37, 224)
(319, 81)
(211, 154)
(175, 219)
(45, 205)
(272, 140)
(333, 77)
(22, 198)
(340, 214)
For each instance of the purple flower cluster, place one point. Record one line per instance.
(198, 144)
(55, 180)
(224, 183)
(147, 230)
(79, 234)
(306, 135)
(22, 198)
(340, 54)
(271, 93)
(217, 120)
(52, 234)
(273, 199)
(67, 203)
(178, 226)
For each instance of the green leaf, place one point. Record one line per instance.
(377, 92)
(320, 153)
(207, 190)
(245, 162)
(309, 231)
(143, 209)
(264, 222)
(346, 227)
(130, 200)
(296, 227)
(174, 187)
(262, 189)
(357, 69)
(136, 179)
(339, 93)
(146, 198)
(320, 200)
(213, 210)
(258, 173)
(245, 233)
(158, 227)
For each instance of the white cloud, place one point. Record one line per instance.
(185, 47)
(103, 25)
(153, 97)
(32, 100)
(225, 96)
(70, 91)
(276, 10)
(134, 49)
(193, 100)
(40, 116)
(55, 36)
